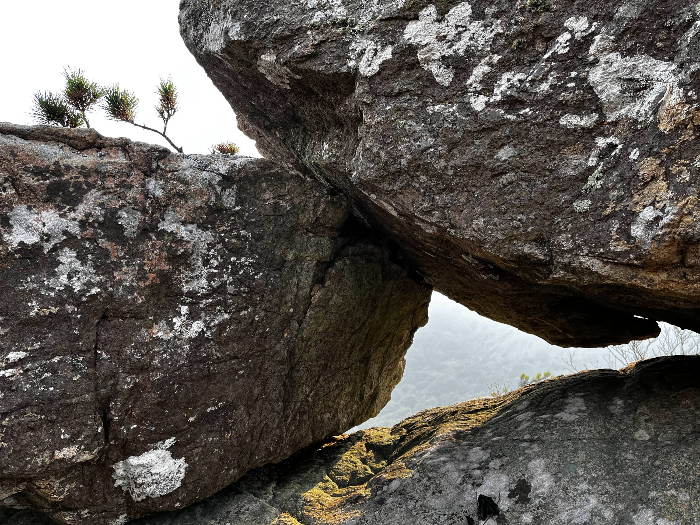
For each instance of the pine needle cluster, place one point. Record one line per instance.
(68, 108)
(167, 101)
(80, 93)
(50, 108)
(120, 104)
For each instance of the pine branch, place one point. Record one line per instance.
(80, 93)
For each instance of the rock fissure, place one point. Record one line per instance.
(101, 399)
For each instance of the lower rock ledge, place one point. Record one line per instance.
(596, 447)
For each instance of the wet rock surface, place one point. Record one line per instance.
(169, 322)
(597, 447)
(537, 160)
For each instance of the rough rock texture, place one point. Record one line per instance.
(600, 447)
(169, 322)
(538, 160)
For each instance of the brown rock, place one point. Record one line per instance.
(169, 322)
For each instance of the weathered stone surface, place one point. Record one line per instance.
(597, 447)
(538, 160)
(169, 322)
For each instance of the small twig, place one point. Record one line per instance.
(179, 150)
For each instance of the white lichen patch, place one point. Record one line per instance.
(74, 274)
(326, 11)
(130, 220)
(632, 87)
(11, 373)
(197, 278)
(645, 517)
(650, 223)
(481, 70)
(578, 121)
(276, 73)
(604, 143)
(506, 152)
(561, 46)
(155, 188)
(509, 82)
(221, 28)
(152, 474)
(582, 205)
(91, 208)
(546, 85)
(642, 435)
(74, 453)
(13, 357)
(594, 182)
(30, 227)
(228, 197)
(373, 55)
(541, 479)
(184, 327)
(573, 409)
(453, 36)
(580, 26)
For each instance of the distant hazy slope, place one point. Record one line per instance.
(458, 354)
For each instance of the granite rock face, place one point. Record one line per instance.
(169, 322)
(597, 447)
(537, 160)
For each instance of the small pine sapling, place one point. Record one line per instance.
(80, 93)
(121, 105)
(225, 148)
(167, 101)
(50, 108)
(69, 108)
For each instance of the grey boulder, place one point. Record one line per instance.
(537, 160)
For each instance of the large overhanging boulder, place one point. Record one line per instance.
(537, 160)
(169, 322)
(598, 447)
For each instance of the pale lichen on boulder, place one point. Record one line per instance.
(538, 161)
(169, 322)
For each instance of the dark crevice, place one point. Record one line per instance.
(101, 397)
(357, 228)
(105, 424)
(15, 186)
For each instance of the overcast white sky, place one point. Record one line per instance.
(130, 42)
